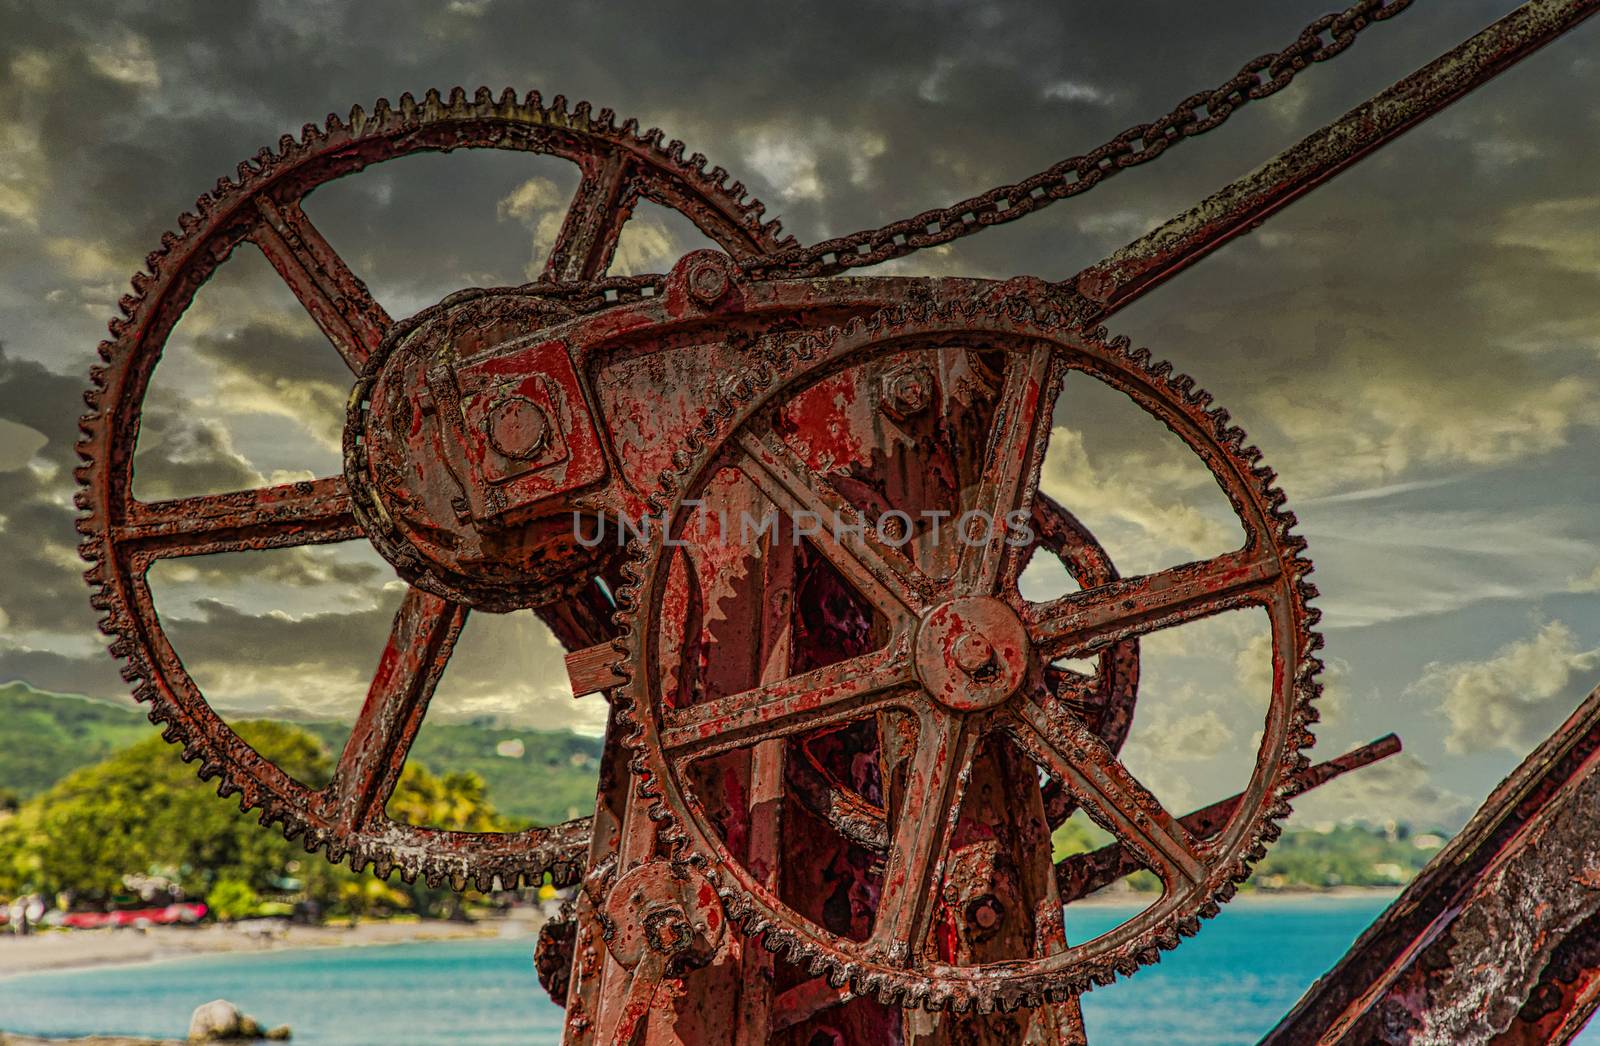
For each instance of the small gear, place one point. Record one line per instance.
(962, 659)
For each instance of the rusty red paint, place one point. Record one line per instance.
(868, 737)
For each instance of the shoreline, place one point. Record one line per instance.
(1127, 898)
(66, 950)
(63, 951)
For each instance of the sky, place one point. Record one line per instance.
(1413, 347)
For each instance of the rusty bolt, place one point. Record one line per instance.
(985, 916)
(972, 653)
(518, 428)
(708, 281)
(906, 392)
(668, 931)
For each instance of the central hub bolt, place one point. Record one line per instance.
(708, 282)
(518, 428)
(972, 653)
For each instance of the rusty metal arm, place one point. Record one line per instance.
(1480, 947)
(1159, 255)
(1082, 874)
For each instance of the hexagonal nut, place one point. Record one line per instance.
(906, 392)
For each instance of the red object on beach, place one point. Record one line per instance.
(169, 915)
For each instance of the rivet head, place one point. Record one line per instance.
(708, 282)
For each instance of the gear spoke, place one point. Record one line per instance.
(1086, 766)
(423, 636)
(1082, 623)
(1011, 465)
(313, 512)
(594, 221)
(334, 296)
(927, 814)
(881, 574)
(839, 692)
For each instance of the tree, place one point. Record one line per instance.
(142, 811)
(231, 900)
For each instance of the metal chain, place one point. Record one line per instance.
(1201, 112)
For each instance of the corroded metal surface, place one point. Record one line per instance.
(1489, 942)
(947, 697)
(124, 535)
(853, 760)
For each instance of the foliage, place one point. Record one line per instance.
(552, 780)
(457, 801)
(365, 895)
(143, 812)
(1077, 835)
(231, 900)
(1303, 859)
(1349, 855)
(48, 735)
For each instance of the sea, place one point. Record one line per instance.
(1228, 985)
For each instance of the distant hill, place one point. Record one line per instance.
(47, 736)
(533, 776)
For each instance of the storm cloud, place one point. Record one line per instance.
(1414, 346)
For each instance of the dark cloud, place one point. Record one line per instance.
(1432, 314)
(179, 456)
(33, 395)
(267, 368)
(43, 588)
(92, 674)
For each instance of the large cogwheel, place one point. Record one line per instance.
(124, 536)
(962, 658)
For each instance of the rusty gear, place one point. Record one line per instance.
(552, 955)
(123, 536)
(959, 697)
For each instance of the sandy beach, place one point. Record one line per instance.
(71, 949)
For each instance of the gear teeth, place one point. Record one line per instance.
(778, 358)
(115, 353)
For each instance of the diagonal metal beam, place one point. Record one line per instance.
(1461, 955)
(1166, 251)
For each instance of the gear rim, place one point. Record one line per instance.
(962, 988)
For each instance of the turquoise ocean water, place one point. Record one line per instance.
(1228, 985)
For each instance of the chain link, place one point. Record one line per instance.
(1201, 112)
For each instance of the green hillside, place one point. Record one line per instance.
(47, 736)
(553, 780)
(1362, 855)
